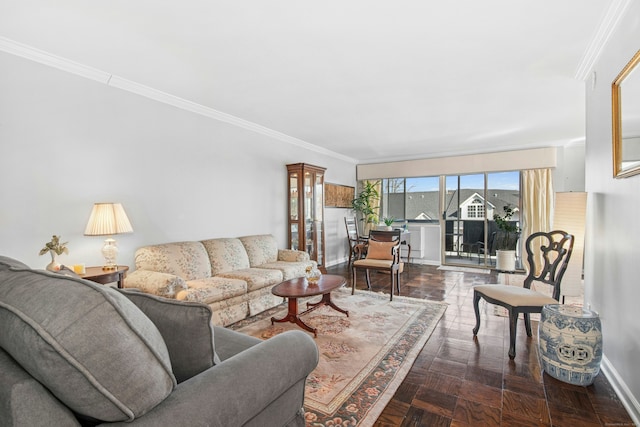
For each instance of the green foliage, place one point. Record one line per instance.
(367, 202)
(508, 237)
(55, 246)
(388, 221)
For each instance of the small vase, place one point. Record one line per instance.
(53, 265)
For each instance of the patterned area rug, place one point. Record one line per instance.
(363, 357)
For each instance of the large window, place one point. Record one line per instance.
(413, 199)
(466, 205)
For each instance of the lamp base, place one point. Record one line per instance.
(110, 252)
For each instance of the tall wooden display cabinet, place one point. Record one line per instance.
(306, 209)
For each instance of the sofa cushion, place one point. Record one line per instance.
(212, 289)
(186, 328)
(261, 249)
(85, 342)
(188, 260)
(156, 283)
(256, 278)
(226, 254)
(292, 255)
(290, 270)
(11, 263)
(23, 400)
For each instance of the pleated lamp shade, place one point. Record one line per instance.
(107, 219)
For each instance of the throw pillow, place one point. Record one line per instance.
(186, 328)
(85, 342)
(380, 250)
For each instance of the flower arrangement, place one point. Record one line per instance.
(55, 246)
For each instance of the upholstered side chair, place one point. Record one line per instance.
(383, 254)
(555, 249)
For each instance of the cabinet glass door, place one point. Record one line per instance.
(306, 209)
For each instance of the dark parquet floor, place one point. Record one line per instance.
(459, 381)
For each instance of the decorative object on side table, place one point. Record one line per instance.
(313, 275)
(108, 219)
(388, 222)
(54, 248)
(570, 343)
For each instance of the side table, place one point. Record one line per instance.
(570, 343)
(98, 275)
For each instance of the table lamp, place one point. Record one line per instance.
(108, 219)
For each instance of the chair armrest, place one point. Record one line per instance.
(156, 283)
(239, 388)
(292, 255)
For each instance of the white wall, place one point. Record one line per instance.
(613, 230)
(67, 142)
(569, 174)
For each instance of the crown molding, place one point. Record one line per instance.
(608, 24)
(42, 57)
(28, 52)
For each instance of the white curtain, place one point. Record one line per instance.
(537, 204)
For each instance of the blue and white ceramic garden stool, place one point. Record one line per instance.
(570, 343)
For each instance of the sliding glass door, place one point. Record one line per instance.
(468, 205)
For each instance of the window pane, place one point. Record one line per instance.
(421, 199)
(393, 198)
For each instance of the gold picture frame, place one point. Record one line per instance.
(625, 122)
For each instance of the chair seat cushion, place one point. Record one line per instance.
(373, 263)
(515, 296)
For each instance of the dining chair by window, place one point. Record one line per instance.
(357, 243)
(383, 254)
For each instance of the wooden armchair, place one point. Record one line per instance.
(383, 254)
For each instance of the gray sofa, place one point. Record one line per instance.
(73, 352)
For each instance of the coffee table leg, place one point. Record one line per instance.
(293, 317)
(326, 300)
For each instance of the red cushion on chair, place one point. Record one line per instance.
(380, 250)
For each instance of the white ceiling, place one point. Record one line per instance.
(371, 80)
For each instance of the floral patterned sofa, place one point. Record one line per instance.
(234, 276)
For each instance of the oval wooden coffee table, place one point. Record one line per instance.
(299, 287)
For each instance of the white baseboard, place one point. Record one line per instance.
(620, 387)
(336, 262)
(424, 261)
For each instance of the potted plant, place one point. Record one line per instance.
(388, 222)
(54, 247)
(506, 240)
(367, 204)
